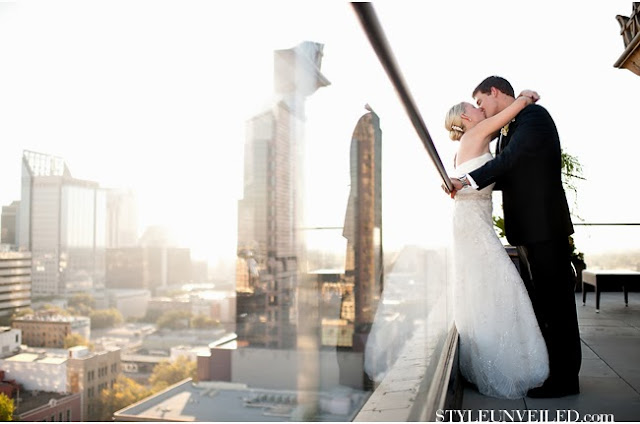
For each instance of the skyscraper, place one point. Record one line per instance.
(363, 224)
(15, 282)
(62, 222)
(9, 219)
(122, 218)
(269, 212)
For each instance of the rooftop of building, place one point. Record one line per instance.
(32, 399)
(218, 401)
(40, 358)
(51, 318)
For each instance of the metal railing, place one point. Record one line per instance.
(378, 40)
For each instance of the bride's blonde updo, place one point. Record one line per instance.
(453, 121)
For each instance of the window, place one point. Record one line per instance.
(68, 415)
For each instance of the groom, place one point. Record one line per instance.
(527, 168)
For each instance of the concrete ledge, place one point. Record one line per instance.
(418, 384)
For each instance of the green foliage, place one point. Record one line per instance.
(174, 320)
(82, 304)
(49, 308)
(498, 223)
(151, 316)
(571, 171)
(204, 322)
(105, 318)
(167, 373)
(125, 392)
(22, 312)
(75, 339)
(6, 408)
(575, 254)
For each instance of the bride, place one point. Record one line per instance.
(502, 350)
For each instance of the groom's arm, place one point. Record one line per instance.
(534, 126)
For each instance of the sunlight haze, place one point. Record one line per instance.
(154, 96)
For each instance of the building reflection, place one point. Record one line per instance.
(268, 214)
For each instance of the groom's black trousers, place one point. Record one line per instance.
(552, 293)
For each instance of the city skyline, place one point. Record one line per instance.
(160, 104)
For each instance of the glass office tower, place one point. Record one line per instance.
(62, 222)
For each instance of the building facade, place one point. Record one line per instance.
(10, 341)
(122, 218)
(148, 267)
(9, 223)
(268, 214)
(62, 222)
(37, 370)
(50, 330)
(15, 282)
(363, 224)
(52, 407)
(630, 32)
(91, 372)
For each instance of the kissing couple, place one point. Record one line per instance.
(518, 329)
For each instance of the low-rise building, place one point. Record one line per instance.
(164, 340)
(41, 371)
(226, 402)
(10, 341)
(219, 305)
(50, 330)
(91, 372)
(131, 303)
(279, 369)
(37, 406)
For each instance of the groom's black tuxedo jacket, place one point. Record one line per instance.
(527, 168)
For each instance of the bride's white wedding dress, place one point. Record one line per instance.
(502, 350)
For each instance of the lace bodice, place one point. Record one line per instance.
(470, 165)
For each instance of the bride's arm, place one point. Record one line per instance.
(491, 125)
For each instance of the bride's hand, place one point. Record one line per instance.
(531, 95)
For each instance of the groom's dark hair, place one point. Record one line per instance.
(494, 81)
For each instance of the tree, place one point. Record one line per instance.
(174, 320)
(152, 316)
(75, 339)
(22, 312)
(571, 171)
(6, 408)
(124, 392)
(204, 322)
(105, 318)
(82, 303)
(54, 309)
(167, 373)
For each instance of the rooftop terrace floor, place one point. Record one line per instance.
(610, 373)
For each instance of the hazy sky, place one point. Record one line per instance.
(154, 95)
